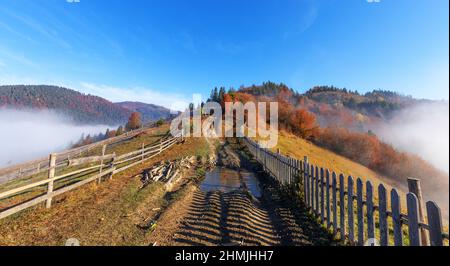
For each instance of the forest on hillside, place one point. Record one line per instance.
(343, 121)
(78, 107)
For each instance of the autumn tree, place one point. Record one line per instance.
(134, 122)
(111, 133)
(303, 123)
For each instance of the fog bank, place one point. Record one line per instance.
(423, 130)
(27, 135)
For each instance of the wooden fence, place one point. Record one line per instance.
(105, 165)
(343, 207)
(41, 165)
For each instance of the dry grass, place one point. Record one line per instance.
(298, 148)
(114, 212)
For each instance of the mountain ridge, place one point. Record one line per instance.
(79, 107)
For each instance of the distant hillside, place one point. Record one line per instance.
(336, 106)
(81, 108)
(149, 112)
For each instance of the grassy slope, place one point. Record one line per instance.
(298, 148)
(114, 212)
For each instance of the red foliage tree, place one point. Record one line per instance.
(303, 123)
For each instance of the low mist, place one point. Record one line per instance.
(422, 130)
(28, 135)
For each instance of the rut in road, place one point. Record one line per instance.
(233, 218)
(238, 218)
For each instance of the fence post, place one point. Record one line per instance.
(359, 210)
(305, 179)
(312, 194)
(342, 206)
(351, 227)
(369, 202)
(142, 152)
(160, 145)
(111, 165)
(51, 174)
(333, 191)
(413, 220)
(435, 223)
(382, 209)
(322, 196)
(101, 163)
(317, 191)
(415, 188)
(396, 219)
(327, 192)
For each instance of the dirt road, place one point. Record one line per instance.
(238, 218)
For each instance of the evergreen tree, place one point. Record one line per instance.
(215, 95)
(221, 94)
(119, 131)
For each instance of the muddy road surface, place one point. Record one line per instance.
(237, 204)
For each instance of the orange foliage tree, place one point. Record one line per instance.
(303, 123)
(134, 122)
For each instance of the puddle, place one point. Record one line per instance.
(226, 180)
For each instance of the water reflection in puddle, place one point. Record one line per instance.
(226, 180)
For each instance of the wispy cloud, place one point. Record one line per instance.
(305, 22)
(169, 100)
(18, 57)
(46, 30)
(8, 28)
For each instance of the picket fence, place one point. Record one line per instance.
(95, 168)
(335, 204)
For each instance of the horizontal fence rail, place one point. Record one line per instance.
(350, 210)
(41, 165)
(106, 165)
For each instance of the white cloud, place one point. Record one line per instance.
(169, 100)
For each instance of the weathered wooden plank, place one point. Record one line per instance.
(359, 211)
(351, 227)
(396, 218)
(415, 188)
(317, 175)
(322, 196)
(305, 180)
(45, 197)
(413, 219)
(342, 206)
(51, 175)
(91, 159)
(382, 211)
(333, 191)
(101, 162)
(435, 223)
(327, 195)
(312, 188)
(23, 206)
(370, 211)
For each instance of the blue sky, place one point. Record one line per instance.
(163, 51)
